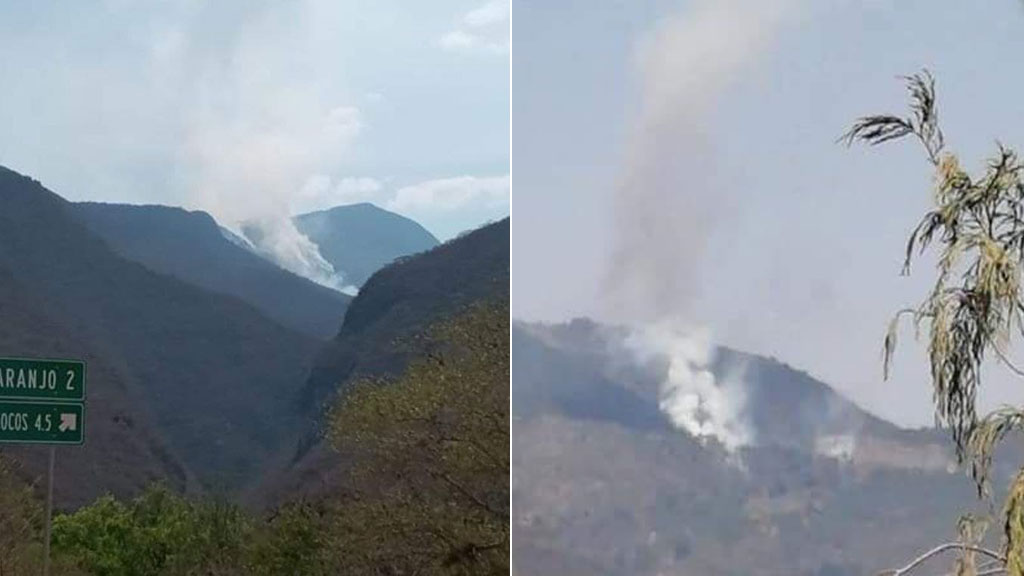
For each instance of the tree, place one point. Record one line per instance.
(21, 520)
(294, 541)
(157, 533)
(432, 473)
(973, 313)
(435, 450)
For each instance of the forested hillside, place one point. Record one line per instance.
(192, 247)
(210, 376)
(383, 329)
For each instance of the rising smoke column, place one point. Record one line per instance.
(248, 170)
(257, 120)
(670, 197)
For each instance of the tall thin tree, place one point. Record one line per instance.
(974, 311)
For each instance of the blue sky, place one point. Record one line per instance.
(756, 224)
(245, 108)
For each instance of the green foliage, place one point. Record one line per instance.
(157, 533)
(162, 533)
(975, 308)
(293, 542)
(434, 446)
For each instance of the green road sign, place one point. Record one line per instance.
(42, 422)
(42, 379)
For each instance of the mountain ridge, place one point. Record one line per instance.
(381, 333)
(780, 384)
(603, 482)
(407, 296)
(185, 353)
(191, 246)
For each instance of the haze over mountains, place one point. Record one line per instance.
(199, 352)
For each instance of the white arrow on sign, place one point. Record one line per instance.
(68, 421)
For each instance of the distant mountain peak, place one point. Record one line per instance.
(367, 206)
(359, 239)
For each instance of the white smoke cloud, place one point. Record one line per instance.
(671, 193)
(249, 169)
(690, 394)
(278, 240)
(253, 132)
(671, 197)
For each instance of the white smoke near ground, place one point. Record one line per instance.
(278, 240)
(691, 396)
(671, 197)
(840, 447)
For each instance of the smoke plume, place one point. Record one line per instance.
(671, 196)
(278, 240)
(690, 395)
(255, 127)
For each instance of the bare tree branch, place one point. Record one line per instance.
(940, 549)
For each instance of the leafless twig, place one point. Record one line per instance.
(949, 546)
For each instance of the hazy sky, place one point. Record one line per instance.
(243, 107)
(788, 243)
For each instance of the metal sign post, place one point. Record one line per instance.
(43, 402)
(49, 513)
